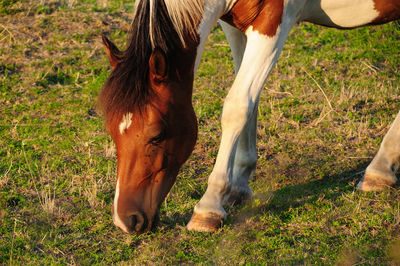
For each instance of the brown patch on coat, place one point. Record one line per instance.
(388, 10)
(264, 15)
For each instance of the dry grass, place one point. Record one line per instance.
(48, 202)
(322, 115)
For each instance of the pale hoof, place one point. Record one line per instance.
(208, 222)
(375, 182)
(238, 196)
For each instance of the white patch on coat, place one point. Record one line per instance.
(237, 41)
(125, 123)
(345, 13)
(117, 221)
(213, 10)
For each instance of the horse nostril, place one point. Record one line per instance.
(140, 222)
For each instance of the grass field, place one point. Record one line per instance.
(58, 165)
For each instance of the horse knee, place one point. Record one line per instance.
(234, 116)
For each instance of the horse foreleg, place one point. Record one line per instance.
(237, 41)
(245, 160)
(240, 108)
(380, 173)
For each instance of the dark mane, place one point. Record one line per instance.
(127, 88)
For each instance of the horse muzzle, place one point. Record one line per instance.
(137, 222)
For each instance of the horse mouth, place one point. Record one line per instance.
(155, 222)
(138, 223)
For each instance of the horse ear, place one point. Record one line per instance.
(114, 54)
(158, 64)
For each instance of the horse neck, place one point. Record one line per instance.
(188, 60)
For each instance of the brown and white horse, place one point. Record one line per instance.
(147, 98)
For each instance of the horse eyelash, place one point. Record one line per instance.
(159, 138)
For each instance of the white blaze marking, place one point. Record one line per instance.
(117, 221)
(125, 123)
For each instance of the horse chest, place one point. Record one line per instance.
(265, 16)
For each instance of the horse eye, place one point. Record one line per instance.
(159, 138)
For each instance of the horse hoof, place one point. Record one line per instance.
(375, 182)
(207, 222)
(238, 196)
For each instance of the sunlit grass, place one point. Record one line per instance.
(323, 113)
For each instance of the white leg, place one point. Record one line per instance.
(260, 55)
(380, 173)
(245, 160)
(237, 41)
(246, 152)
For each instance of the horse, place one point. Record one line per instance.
(147, 99)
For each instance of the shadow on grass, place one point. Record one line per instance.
(329, 187)
(288, 197)
(279, 202)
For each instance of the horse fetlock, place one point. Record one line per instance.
(375, 180)
(246, 162)
(210, 203)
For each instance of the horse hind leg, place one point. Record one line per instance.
(380, 173)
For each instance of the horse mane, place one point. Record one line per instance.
(185, 16)
(163, 24)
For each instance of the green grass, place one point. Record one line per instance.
(58, 165)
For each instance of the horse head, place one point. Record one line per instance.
(154, 139)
